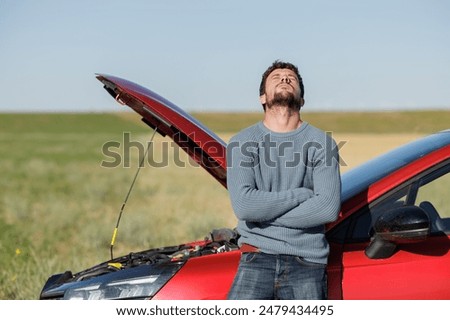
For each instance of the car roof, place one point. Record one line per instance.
(361, 177)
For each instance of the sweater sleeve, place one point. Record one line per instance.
(248, 202)
(324, 205)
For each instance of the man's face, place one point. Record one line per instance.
(282, 88)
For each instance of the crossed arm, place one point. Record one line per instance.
(295, 208)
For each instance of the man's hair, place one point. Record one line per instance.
(277, 64)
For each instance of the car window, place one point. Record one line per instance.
(438, 193)
(433, 196)
(430, 191)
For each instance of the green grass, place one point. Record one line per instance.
(58, 206)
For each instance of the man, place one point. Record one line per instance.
(284, 185)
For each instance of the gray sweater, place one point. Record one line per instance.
(283, 188)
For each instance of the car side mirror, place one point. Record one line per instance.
(406, 224)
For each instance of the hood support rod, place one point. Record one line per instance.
(141, 163)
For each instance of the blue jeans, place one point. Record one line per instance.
(262, 276)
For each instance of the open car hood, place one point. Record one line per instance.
(202, 145)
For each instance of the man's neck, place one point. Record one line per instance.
(282, 119)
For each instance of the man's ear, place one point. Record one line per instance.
(302, 102)
(263, 99)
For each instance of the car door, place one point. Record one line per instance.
(416, 270)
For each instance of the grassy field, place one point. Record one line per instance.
(58, 206)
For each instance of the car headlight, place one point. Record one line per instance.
(142, 282)
(123, 289)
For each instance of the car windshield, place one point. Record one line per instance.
(361, 177)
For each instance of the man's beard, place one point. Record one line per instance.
(288, 100)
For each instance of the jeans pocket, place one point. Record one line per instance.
(306, 263)
(248, 257)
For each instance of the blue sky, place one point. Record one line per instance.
(209, 55)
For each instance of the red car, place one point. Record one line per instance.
(391, 240)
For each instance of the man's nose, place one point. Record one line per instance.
(285, 79)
